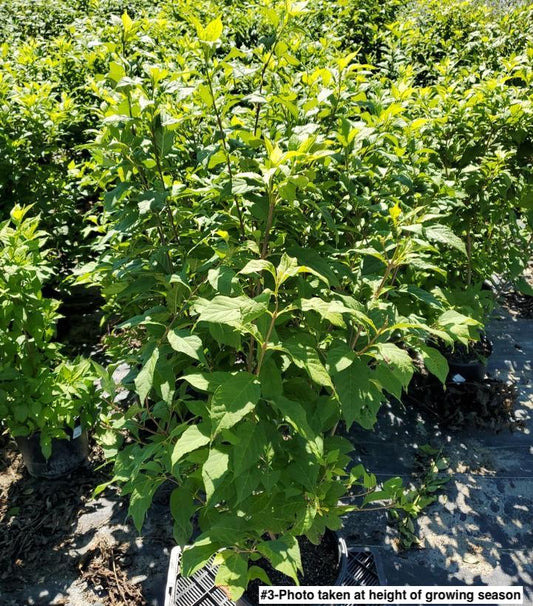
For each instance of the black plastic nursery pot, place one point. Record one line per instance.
(469, 364)
(356, 567)
(332, 556)
(67, 454)
(469, 371)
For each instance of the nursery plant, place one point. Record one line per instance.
(41, 392)
(256, 321)
(475, 114)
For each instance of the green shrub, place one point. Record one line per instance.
(40, 391)
(268, 293)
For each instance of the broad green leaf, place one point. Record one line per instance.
(223, 527)
(329, 310)
(435, 362)
(192, 438)
(184, 342)
(421, 295)
(212, 31)
(207, 381)
(271, 379)
(20, 411)
(444, 235)
(228, 310)
(232, 572)
(246, 483)
(524, 287)
(127, 23)
(182, 508)
(388, 380)
(220, 309)
(313, 260)
(145, 379)
(397, 359)
(141, 497)
(226, 335)
(257, 266)
(306, 356)
(339, 358)
(197, 555)
(214, 471)
(295, 413)
(233, 400)
(304, 469)
(249, 448)
(453, 318)
(284, 555)
(360, 399)
(287, 268)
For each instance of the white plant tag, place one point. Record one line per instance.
(77, 432)
(458, 378)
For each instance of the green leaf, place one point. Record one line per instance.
(182, 509)
(184, 342)
(339, 358)
(444, 235)
(249, 448)
(256, 266)
(435, 362)
(295, 413)
(197, 555)
(360, 399)
(228, 310)
(312, 259)
(421, 295)
(304, 469)
(207, 381)
(220, 309)
(388, 380)
(329, 310)
(20, 411)
(145, 379)
(46, 444)
(192, 438)
(452, 318)
(214, 471)
(284, 555)
(233, 400)
(226, 335)
(305, 356)
(271, 381)
(212, 31)
(524, 287)
(397, 359)
(246, 483)
(232, 572)
(127, 23)
(141, 497)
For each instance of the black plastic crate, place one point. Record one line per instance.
(363, 569)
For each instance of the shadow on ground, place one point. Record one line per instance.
(60, 546)
(481, 529)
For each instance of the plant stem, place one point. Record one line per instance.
(267, 337)
(161, 176)
(469, 256)
(268, 225)
(224, 146)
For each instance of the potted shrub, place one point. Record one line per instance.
(46, 402)
(252, 325)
